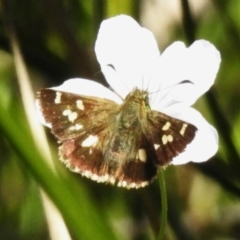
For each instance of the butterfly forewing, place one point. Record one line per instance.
(71, 115)
(169, 135)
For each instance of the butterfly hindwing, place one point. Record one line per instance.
(131, 156)
(130, 169)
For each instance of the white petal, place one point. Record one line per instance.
(205, 143)
(198, 64)
(203, 64)
(88, 88)
(126, 53)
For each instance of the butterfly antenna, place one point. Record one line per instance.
(162, 89)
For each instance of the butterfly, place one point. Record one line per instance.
(121, 144)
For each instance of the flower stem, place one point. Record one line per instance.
(163, 222)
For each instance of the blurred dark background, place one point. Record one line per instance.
(56, 39)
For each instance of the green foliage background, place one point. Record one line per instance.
(57, 41)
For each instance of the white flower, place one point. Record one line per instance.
(129, 57)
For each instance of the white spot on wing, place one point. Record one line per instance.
(183, 129)
(170, 138)
(72, 128)
(167, 138)
(78, 126)
(164, 139)
(166, 126)
(80, 104)
(142, 155)
(66, 112)
(90, 141)
(58, 98)
(75, 127)
(72, 116)
(156, 146)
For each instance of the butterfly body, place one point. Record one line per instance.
(121, 144)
